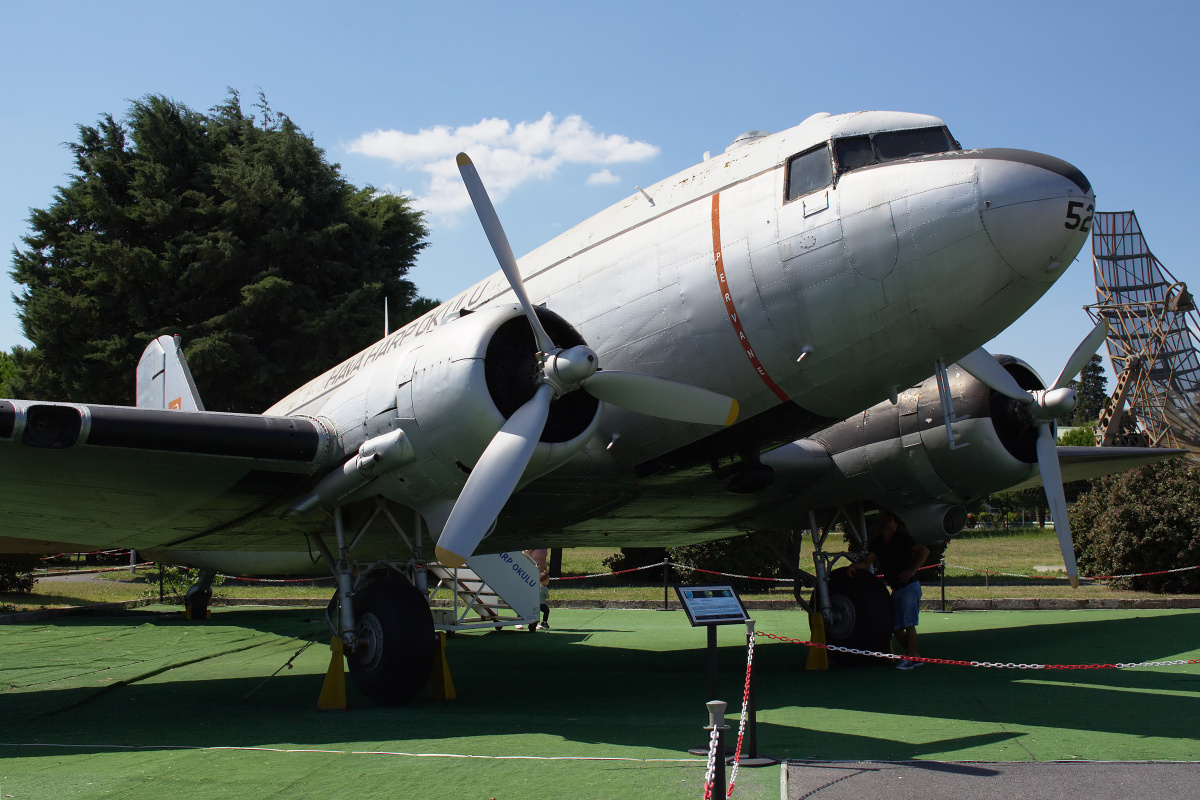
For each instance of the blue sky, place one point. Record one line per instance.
(652, 86)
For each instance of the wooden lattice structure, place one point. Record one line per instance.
(1151, 341)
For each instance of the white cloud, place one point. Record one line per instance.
(506, 155)
(602, 177)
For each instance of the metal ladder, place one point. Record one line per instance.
(491, 591)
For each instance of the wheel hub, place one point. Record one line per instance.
(842, 617)
(369, 647)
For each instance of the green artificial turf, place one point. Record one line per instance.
(93, 707)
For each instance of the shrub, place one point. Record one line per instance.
(176, 581)
(634, 557)
(15, 572)
(1143, 520)
(742, 555)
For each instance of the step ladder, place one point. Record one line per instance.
(490, 591)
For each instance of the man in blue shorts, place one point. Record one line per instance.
(899, 557)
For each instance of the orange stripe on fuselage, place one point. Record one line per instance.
(727, 298)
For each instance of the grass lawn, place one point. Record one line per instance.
(160, 707)
(1018, 552)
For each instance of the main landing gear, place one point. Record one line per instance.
(856, 610)
(382, 618)
(199, 595)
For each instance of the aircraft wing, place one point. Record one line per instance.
(1082, 463)
(114, 476)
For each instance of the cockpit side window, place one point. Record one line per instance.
(894, 145)
(809, 172)
(853, 152)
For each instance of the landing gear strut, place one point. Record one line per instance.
(383, 620)
(199, 595)
(857, 609)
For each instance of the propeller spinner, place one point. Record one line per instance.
(1042, 407)
(499, 469)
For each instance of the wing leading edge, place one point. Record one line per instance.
(1083, 463)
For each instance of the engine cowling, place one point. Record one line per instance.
(450, 392)
(899, 456)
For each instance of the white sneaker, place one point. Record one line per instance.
(906, 664)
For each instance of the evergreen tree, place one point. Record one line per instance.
(1092, 391)
(7, 371)
(233, 232)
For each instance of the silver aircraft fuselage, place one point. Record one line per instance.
(805, 306)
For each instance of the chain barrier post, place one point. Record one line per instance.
(666, 574)
(714, 776)
(752, 758)
(712, 675)
(943, 576)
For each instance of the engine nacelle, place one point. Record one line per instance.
(933, 522)
(898, 456)
(450, 392)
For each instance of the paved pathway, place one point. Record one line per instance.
(985, 780)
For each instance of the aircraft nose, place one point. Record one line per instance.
(1036, 209)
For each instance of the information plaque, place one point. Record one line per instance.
(711, 605)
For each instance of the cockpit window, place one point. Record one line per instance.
(855, 152)
(808, 172)
(894, 145)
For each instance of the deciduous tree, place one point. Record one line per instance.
(1140, 521)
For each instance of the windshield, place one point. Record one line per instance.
(855, 152)
(906, 144)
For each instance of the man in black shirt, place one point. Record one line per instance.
(900, 558)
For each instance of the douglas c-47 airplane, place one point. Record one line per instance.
(646, 378)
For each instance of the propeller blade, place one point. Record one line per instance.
(985, 369)
(659, 397)
(1090, 344)
(499, 241)
(493, 480)
(1047, 453)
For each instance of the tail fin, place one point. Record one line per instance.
(163, 378)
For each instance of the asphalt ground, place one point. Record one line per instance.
(153, 706)
(920, 780)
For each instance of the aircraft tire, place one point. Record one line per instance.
(395, 626)
(863, 616)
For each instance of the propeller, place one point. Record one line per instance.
(560, 370)
(1041, 407)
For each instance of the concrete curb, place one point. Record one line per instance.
(1060, 604)
(92, 610)
(982, 604)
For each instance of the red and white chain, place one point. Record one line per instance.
(737, 754)
(711, 771)
(606, 574)
(983, 664)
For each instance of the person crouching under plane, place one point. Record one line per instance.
(900, 558)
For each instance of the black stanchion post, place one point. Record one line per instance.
(943, 571)
(712, 660)
(160, 582)
(666, 577)
(752, 758)
(716, 721)
(712, 680)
